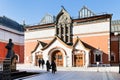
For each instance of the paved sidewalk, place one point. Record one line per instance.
(74, 73)
(29, 67)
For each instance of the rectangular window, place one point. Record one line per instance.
(62, 30)
(98, 58)
(57, 31)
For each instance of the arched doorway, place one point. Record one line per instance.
(57, 56)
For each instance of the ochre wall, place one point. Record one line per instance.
(96, 42)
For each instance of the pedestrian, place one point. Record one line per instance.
(43, 62)
(39, 62)
(53, 65)
(48, 67)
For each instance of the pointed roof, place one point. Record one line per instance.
(85, 12)
(115, 26)
(83, 45)
(39, 43)
(56, 38)
(5, 21)
(63, 11)
(47, 19)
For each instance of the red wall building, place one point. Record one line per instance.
(10, 29)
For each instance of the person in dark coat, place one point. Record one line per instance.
(39, 62)
(43, 62)
(48, 65)
(53, 65)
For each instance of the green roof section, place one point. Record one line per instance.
(115, 26)
(11, 24)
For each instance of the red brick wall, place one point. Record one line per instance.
(19, 50)
(114, 48)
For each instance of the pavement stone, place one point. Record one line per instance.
(74, 73)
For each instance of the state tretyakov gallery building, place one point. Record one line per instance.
(78, 42)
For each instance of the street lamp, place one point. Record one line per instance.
(117, 34)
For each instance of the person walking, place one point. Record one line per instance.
(53, 65)
(48, 65)
(39, 62)
(43, 62)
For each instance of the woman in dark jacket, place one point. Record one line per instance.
(53, 65)
(48, 65)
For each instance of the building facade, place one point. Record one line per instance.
(71, 42)
(10, 29)
(115, 42)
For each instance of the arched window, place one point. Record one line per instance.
(17, 56)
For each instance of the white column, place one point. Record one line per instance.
(65, 61)
(87, 59)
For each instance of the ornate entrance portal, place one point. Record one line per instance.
(58, 57)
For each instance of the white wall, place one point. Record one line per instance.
(6, 34)
(91, 28)
(39, 33)
(67, 58)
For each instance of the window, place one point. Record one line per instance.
(57, 31)
(112, 58)
(59, 56)
(66, 38)
(97, 55)
(98, 58)
(66, 29)
(62, 30)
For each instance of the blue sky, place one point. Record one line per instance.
(32, 11)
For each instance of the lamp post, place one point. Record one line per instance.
(117, 34)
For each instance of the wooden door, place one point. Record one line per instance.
(78, 60)
(58, 57)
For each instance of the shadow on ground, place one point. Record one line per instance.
(20, 74)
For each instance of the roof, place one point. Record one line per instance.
(85, 12)
(86, 46)
(47, 19)
(11, 24)
(56, 38)
(85, 15)
(42, 44)
(115, 26)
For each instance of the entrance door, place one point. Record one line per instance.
(78, 60)
(58, 58)
(37, 58)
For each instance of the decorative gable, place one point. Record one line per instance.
(80, 46)
(64, 26)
